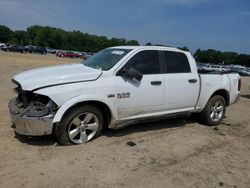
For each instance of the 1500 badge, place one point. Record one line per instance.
(123, 95)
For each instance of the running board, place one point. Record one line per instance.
(124, 123)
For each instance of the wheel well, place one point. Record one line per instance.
(224, 94)
(100, 105)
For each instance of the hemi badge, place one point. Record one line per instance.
(111, 95)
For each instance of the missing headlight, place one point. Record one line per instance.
(39, 109)
(32, 104)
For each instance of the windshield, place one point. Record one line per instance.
(106, 58)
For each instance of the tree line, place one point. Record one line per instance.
(60, 39)
(218, 57)
(78, 41)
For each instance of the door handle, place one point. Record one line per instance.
(192, 81)
(156, 83)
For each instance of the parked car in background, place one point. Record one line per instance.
(35, 49)
(29, 48)
(73, 54)
(78, 54)
(2, 45)
(69, 54)
(14, 48)
(41, 50)
(81, 54)
(216, 68)
(59, 53)
(244, 72)
(50, 50)
(241, 71)
(86, 55)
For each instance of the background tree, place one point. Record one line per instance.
(71, 40)
(5, 34)
(19, 37)
(217, 57)
(229, 57)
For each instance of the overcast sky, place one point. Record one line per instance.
(218, 24)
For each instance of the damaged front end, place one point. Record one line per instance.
(32, 114)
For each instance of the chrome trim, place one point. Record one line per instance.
(124, 123)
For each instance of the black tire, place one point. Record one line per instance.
(61, 130)
(205, 115)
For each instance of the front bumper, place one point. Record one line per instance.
(32, 126)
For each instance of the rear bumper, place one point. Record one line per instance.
(32, 126)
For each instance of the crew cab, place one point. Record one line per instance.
(116, 87)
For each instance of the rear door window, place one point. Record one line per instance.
(176, 62)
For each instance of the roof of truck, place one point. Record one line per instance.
(148, 47)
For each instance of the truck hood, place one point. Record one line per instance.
(56, 75)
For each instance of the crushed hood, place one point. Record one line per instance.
(54, 75)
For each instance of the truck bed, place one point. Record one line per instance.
(215, 81)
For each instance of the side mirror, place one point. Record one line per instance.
(132, 73)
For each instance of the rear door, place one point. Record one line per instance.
(181, 85)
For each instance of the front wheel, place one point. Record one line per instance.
(214, 111)
(80, 125)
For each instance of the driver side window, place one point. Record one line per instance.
(146, 62)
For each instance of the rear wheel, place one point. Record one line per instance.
(80, 125)
(214, 111)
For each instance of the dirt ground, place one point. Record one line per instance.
(169, 153)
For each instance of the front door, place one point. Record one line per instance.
(137, 99)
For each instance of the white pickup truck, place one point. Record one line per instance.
(116, 87)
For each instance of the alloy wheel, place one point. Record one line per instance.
(83, 128)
